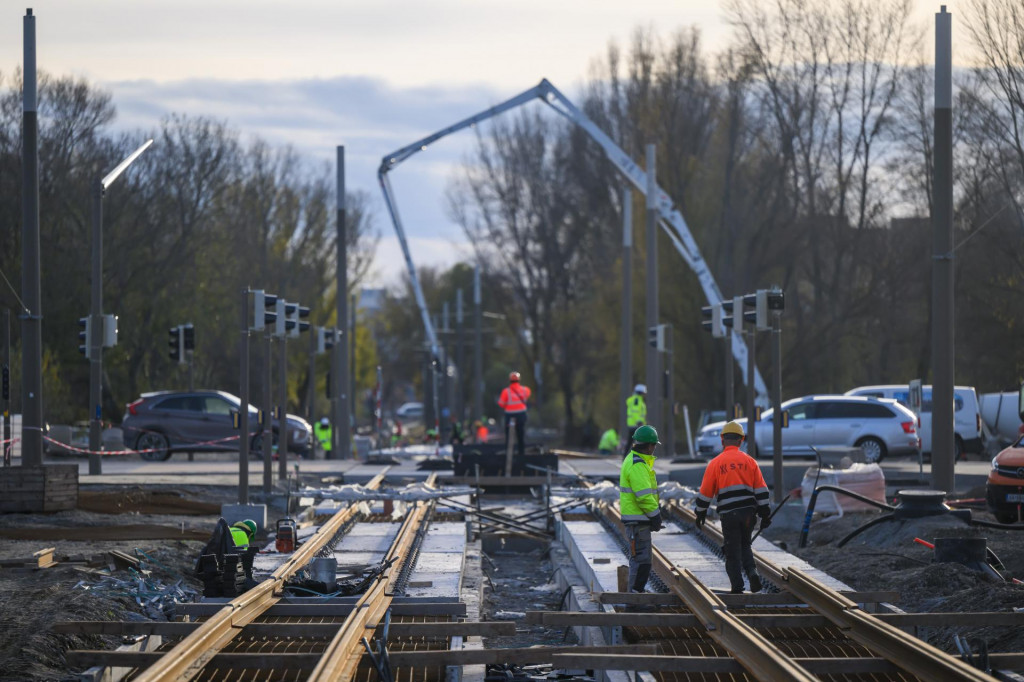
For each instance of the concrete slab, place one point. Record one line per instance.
(439, 562)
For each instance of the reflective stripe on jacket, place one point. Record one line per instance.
(513, 398)
(636, 410)
(638, 488)
(734, 477)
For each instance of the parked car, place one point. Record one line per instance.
(879, 426)
(709, 438)
(966, 415)
(1004, 490)
(409, 411)
(165, 422)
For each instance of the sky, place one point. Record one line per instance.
(372, 75)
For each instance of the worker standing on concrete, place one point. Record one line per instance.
(609, 442)
(636, 410)
(513, 401)
(638, 504)
(734, 477)
(322, 433)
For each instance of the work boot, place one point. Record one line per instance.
(736, 590)
(755, 582)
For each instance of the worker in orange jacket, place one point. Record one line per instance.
(735, 479)
(513, 401)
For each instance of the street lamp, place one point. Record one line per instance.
(97, 327)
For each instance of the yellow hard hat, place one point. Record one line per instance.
(733, 428)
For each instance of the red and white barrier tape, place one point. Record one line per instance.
(86, 451)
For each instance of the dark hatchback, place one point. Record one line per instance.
(161, 423)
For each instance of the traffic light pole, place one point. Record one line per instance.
(8, 445)
(342, 429)
(268, 412)
(652, 370)
(777, 481)
(282, 419)
(311, 380)
(95, 340)
(478, 350)
(243, 408)
(730, 380)
(751, 393)
(670, 393)
(460, 367)
(626, 331)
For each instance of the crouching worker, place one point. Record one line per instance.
(638, 504)
(225, 564)
(734, 477)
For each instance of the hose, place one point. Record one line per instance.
(835, 489)
(861, 529)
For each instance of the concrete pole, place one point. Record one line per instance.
(8, 445)
(352, 361)
(653, 370)
(243, 409)
(751, 393)
(943, 443)
(342, 428)
(730, 379)
(311, 380)
(282, 404)
(670, 393)
(478, 351)
(268, 413)
(626, 330)
(32, 315)
(95, 340)
(460, 366)
(777, 482)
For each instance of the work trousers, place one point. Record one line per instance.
(737, 527)
(639, 537)
(520, 419)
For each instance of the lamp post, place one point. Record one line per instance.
(97, 327)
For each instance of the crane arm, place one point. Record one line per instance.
(670, 219)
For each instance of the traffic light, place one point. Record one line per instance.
(298, 317)
(190, 336)
(656, 337)
(284, 322)
(6, 372)
(750, 310)
(324, 340)
(85, 336)
(263, 306)
(176, 344)
(712, 321)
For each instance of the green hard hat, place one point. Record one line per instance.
(248, 525)
(646, 434)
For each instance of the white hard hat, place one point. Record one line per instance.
(640, 388)
(323, 421)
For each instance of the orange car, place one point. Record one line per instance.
(1005, 488)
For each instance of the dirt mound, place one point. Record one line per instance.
(114, 533)
(141, 501)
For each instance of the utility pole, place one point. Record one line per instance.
(670, 393)
(243, 408)
(342, 428)
(352, 359)
(751, 392)
(653, 370)
(282, 406)
(777, 480)
(478, 351)
(32, 314)
(311, 381)
(460, 396)
(943, 444)
(730, 380)
(96, 334)
(6, 396)
(626, 331)
(268, 414)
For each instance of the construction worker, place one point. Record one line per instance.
(242, 533)
(513, 400)
(480, 431)
(609, 442)
(636, 410)
(638, 504)
(735, 479)
(322, 433)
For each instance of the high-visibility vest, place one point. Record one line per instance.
(734, 477)
(513, 398)
(323, 435)
(240, 537)
(638, 488)
(636, 410)
(609, 440)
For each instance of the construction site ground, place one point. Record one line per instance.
(166, 525)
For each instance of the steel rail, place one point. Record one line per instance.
(900, 648)
(758, 655)
(342, 656)
(188, 657)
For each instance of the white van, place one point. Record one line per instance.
(966, 415)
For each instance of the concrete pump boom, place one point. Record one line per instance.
(670, 219)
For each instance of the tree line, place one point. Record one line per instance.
(198, 218)
(801, 156)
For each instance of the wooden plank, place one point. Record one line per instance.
(520, 656)
(738, 600)
(322, 610)
(180, 629)
(720, 665)
(670, 620)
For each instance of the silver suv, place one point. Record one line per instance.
(160, 423)
(880, 427)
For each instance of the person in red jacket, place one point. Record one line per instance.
(513, 401)
(735, 479)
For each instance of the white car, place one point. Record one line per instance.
(966, 415)
(410, 411)
(709, 441)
